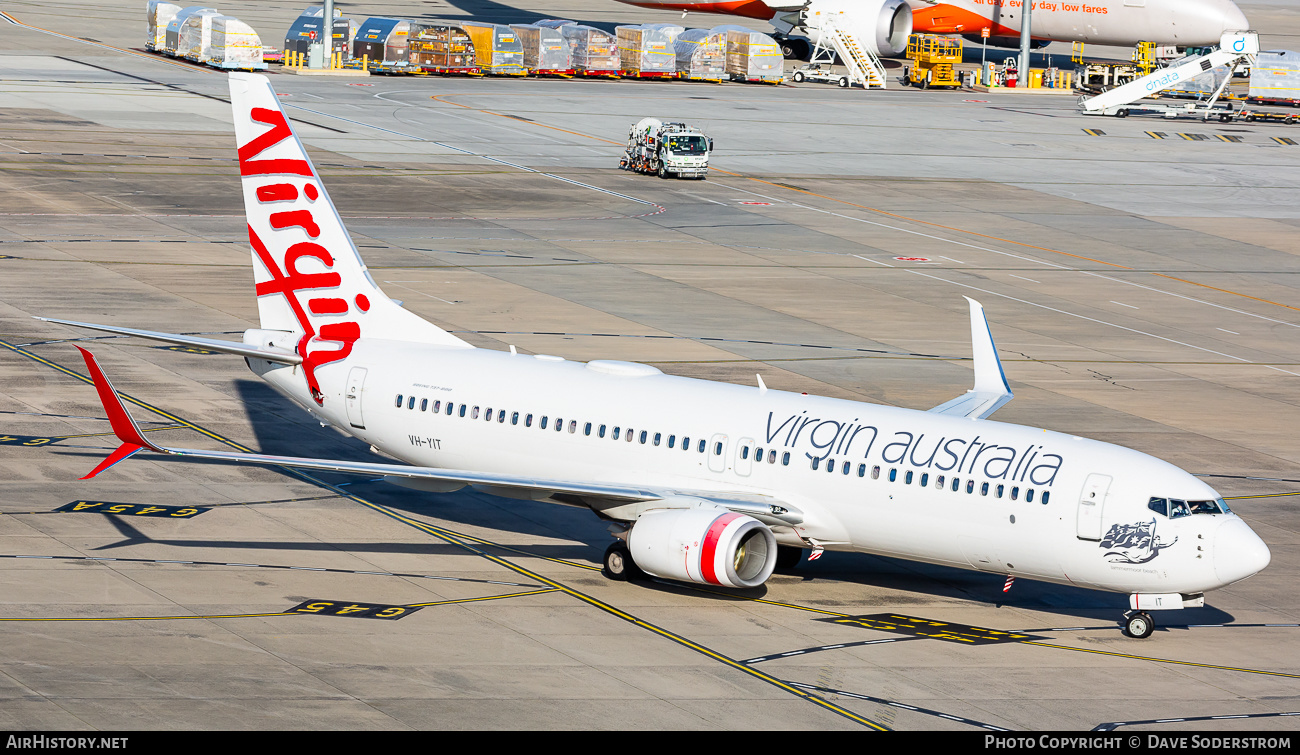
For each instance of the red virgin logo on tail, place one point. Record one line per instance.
(288, 281)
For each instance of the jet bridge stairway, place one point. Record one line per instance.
(864, 67)
(1235, 48)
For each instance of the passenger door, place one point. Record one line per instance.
(1092, 503)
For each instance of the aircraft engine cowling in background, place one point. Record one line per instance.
(709, 546)
(882, 26)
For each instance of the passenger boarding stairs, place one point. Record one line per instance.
(1236, 48)
(864, 67)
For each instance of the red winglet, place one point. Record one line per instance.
(122, 453)
(123, 426)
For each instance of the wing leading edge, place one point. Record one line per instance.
(991, 390)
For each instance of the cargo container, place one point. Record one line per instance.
(194, 39)
(1275, 77)
(497, 49)
(752, 56)
(647, 50)
(555, 23)
(172, 37)
(546, 51)
(595, 52)
(701, 54)
(384, 43)
(441, 47)
(235, 45)
(300, 35)
(158, 14)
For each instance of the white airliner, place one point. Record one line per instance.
(701, 481)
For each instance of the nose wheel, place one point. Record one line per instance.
(1139, 625)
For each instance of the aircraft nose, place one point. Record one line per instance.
(1238, 552)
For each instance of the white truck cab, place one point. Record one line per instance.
(667, 149)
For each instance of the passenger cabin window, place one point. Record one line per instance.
(573, 426)
(437, 407)
(956, 483)
(970, 487)
(816, 462)
(644, 435)
(862, 470)
(501, 415)
(528, 420)
(702, 442)
(424, 404)
(672, 441)
(658, 437)
(1046, 494)
(844, 468)
(450, 406)
(462, 410)
(399, 401)
(410, 404)
(893, 474)
(1015, 492)
(925, 480)
(1029, 495)
(744, 452)
(514, 418)
(938, 481)
(785, 458)
(543, 425)
(616, 430)
(907, 478)
(586, 429)
(474, 414)
(601, 433)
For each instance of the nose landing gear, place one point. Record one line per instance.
(1139, 625)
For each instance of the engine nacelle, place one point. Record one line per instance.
(882, 26)
(708, 546)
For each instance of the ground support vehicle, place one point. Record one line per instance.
(822, 72)
(666, 149)
(933, 61)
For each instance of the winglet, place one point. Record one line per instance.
(991, 390)
(123, 425)
(989, 377)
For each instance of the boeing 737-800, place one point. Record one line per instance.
(883, 25)
(701, 481)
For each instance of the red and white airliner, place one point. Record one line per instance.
(883, 25)
(700, 481)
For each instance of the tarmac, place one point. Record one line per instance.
(1139, 276)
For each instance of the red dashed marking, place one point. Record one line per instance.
(768, 204)
(913, 259)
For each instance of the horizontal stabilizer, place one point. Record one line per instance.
(991, 390)
(213, 344)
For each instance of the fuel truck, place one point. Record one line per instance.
(667, 149)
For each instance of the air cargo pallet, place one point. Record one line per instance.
(564, 73)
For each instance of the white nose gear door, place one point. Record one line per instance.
(352, 398)
(1092, 503)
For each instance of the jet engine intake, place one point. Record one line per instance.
(882, 26)
(710, 546)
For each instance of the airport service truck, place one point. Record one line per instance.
(667, 149)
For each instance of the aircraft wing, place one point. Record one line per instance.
(991, 390)
(609, 498)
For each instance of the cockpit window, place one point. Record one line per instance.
(1174, 508)
(1205, 507)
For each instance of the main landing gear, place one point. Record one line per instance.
(1139, 625)
(619, 565)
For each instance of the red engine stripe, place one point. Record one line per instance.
(708, 551)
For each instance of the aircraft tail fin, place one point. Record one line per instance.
(310, 279)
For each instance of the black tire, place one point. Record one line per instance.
(788, 557)
(1225, 118)
(797, 77)
(618, 564)
(843, 82)
(663, 171)
(1122, 113)
(1139, 625)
